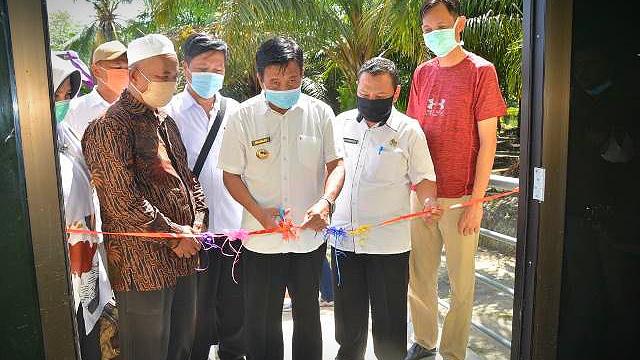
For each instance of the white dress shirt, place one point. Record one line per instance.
(194, 125)
(83, 110)
(281, 158)
(381, 163)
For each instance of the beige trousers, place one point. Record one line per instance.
(426, 248)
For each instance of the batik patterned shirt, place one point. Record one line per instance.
(139, 168)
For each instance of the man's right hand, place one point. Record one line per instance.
(434, 211)
(187, 246)
(269, 217)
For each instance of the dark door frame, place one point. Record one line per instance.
(544, 130)
(31, 62)
(528, 210)
(544, 137)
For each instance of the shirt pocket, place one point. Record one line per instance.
(309, 151)
(261, 157)
(385, 167)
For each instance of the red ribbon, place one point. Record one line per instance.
(455, 206)
(133, 234)
(485, 199)
(288, 229)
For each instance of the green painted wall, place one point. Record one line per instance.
(20, 330)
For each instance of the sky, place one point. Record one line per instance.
(82, 12)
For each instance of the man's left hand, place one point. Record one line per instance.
(317, 217)
(470, 220)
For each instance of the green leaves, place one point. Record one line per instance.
(339, 35)
(476, 8)
(61, 29)
(498, 38)
(83, 42)
(105, 27)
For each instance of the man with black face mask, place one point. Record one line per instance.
(385, 153)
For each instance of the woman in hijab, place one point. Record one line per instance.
(91, 288)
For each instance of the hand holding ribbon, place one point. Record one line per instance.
(433, 211)
(270, 217)
(317, 217)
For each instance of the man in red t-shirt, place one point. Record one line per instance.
(457, 99)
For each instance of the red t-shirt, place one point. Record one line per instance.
(448, 102)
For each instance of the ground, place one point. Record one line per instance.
(493, 309)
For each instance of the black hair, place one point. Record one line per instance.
(278, 51)
(199, 43)
(452, 5)
(379, 65)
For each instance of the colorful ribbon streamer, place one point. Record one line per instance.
(286, 228)
(337, 255)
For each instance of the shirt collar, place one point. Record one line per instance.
(393, 122)
(95, 98)
(187, 101)
(267, 108)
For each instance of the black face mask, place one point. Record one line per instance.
(375, 110)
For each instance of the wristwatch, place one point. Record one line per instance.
(332, 204)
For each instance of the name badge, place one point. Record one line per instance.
(262, 141)
(351, 141)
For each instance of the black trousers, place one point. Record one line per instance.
(379, 280)
(89, 343)
(265, 278)
(158, 324)
(220, 314)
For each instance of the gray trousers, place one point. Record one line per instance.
(158, 324)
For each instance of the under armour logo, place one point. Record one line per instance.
(435, 108)
(432, 103)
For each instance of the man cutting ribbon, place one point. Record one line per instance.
(385, 152)
(279, 151)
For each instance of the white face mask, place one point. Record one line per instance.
(158, 93)
(442, 42)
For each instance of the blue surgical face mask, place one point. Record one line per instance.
(61, 108)
(206, 84)
(283, 99)
(441, 42)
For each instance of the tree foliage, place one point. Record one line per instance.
(61, 29)
(106, 26)
(339, 35)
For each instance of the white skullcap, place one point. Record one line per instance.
(149, 46)
(62, 69)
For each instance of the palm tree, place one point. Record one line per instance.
(106, 26)
(339, 35)
(494, 31)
